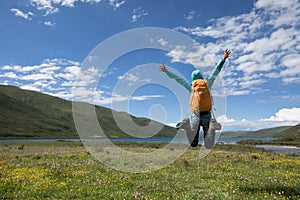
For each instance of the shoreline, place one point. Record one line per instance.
(179, 139)
(268, 144)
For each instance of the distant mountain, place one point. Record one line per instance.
(283, 132)
(292, 133)
(30, 114)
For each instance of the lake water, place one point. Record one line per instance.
(222, 140)
(276, 149)
(281, 149)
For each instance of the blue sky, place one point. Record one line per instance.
(44, 43)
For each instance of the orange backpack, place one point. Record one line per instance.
(201, 99)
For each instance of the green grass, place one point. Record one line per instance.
(65, 170)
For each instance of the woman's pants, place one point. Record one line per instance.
(197, 120)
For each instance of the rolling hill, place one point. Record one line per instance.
(30, 114)
(282, 132)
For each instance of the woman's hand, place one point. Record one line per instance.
(226, 54)
(163, 68)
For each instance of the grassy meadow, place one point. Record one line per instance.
(65, 170)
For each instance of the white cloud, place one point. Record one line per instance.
(73, 69)
(191, 15)
(48, 23)
(284, 117)
(61, 94)
(19, 13)
(27, 68)
(52, 6)
(271, 4)
(190, 55)
(291, 71)
(247, 67)
(172, 124)
(87, 76)
(45, 5)
(44, 83)
(129, 77)
(10, 75)
(49, 70)
(291, 80)
(30, 87)
(116, 4)
(83, 93)
(35, 77)
(291, 61)
(22, 69)
(224, 119)
(67, 3)
(286, 11)
(67, 84)
(5, 83)
(236, 92)
(6, 67)
(251, 83)
(145, 97)
(138, 13)
(115, 98)
(162, 41)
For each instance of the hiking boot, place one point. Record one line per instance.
(185, 124)
(209, 139)
(215, 125)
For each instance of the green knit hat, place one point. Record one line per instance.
(196, 75)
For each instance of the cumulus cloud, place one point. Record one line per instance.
(48, 23)
(129, 77)
(45, 5)
(284, 117)
(116, 4)
(52, 6)
(20, 13)
(10, 75)
(291, 70)
(115, 98)
(30, 87)
(138, 13)
(145, 97)
(162, 41)
(34, 77)
(191, 15)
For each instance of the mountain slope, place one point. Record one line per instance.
(32, 114)
(292, 133)
(284, 132)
